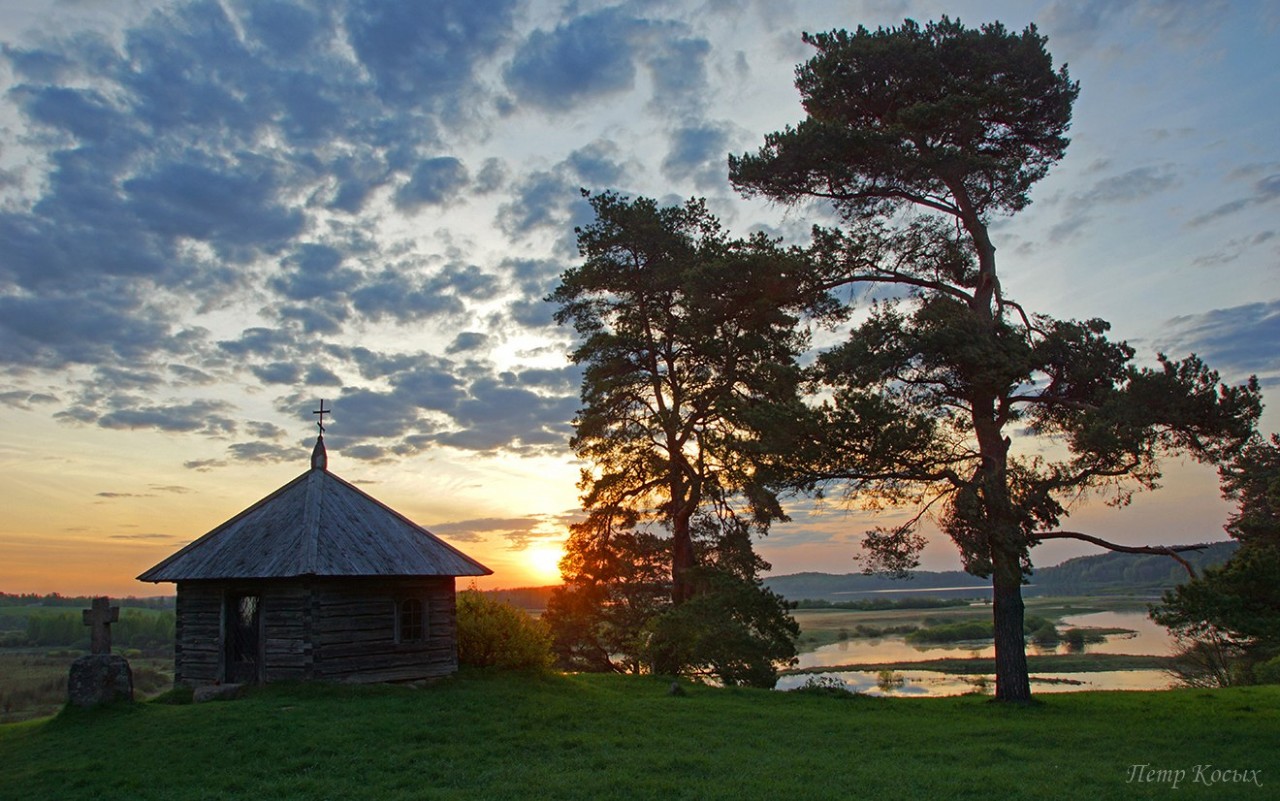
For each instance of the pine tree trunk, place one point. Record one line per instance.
(1012, 680)
(681, 562)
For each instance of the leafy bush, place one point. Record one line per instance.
(495, 634)
(736, 632)
(1075, 640)
(1045, 635)
(1267, 672)
(953, 632)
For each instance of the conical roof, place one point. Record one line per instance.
(316, 525)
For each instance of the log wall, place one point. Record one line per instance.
(197, 649)
(355, 632)
(334, 629)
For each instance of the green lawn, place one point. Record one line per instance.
(598, 737)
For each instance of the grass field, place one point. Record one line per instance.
(594, 737)
(33, 682)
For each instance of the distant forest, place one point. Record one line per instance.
(1102, 574)
(83, 601)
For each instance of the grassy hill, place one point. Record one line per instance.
(484, 736)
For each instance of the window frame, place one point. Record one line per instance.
(405, 624)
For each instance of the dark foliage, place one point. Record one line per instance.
(1228, 619)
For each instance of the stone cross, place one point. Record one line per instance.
(100, 617)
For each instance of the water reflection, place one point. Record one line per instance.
(930, 683)
(1146, 639)
(1149, 638)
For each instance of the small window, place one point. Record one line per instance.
(411, 621)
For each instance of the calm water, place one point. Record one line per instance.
(923, 683)
(1147, 639)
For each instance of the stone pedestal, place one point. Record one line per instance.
(100, 679)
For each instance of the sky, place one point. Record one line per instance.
(215, 214)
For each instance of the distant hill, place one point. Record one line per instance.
(1108, 573)
(1111, 572)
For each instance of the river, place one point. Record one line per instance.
(1147, 639)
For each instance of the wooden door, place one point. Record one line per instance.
(244, 638)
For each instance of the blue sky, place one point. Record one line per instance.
(212, 214)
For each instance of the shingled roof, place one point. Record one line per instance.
(316, 525)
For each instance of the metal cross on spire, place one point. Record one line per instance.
(322, 412)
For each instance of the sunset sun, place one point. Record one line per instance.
(542, 561)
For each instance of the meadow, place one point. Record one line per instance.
(33, 680)
(510, 736)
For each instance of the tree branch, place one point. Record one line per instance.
(1171, 551)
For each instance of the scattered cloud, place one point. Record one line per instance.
(1238, 341)
(1081, 208)
(145, 537)
(580, 60)
(1262, 191)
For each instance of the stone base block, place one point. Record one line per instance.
(100, 679)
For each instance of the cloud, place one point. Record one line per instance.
(426, 58)
(278, 373)
(1264, 190)
(434, 182)
(552, 199)
(1136, 184)
(698, 152)
(55, 331)
(175, 489)
(204, 416)
(679, 69)
(235, 205)
(263, 430)
(23, 399)
(1081, 24)
(500, 413)
(262, 452)
(210, 137)
(141, 536)
(583, 59)
(204, 465)
(474, 530)
(1132, 186)
(519, 532)
(1237, 341)
(468, 341)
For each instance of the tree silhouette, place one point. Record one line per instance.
(918, 135)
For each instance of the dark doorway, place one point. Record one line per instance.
(244, 626)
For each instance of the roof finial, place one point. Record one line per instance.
(319, 458)
(322, 412)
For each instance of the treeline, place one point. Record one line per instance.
(1111, 573)
(528, 598)
(135, 629)
(1100, 574)
(82, 601)
(880, 604)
